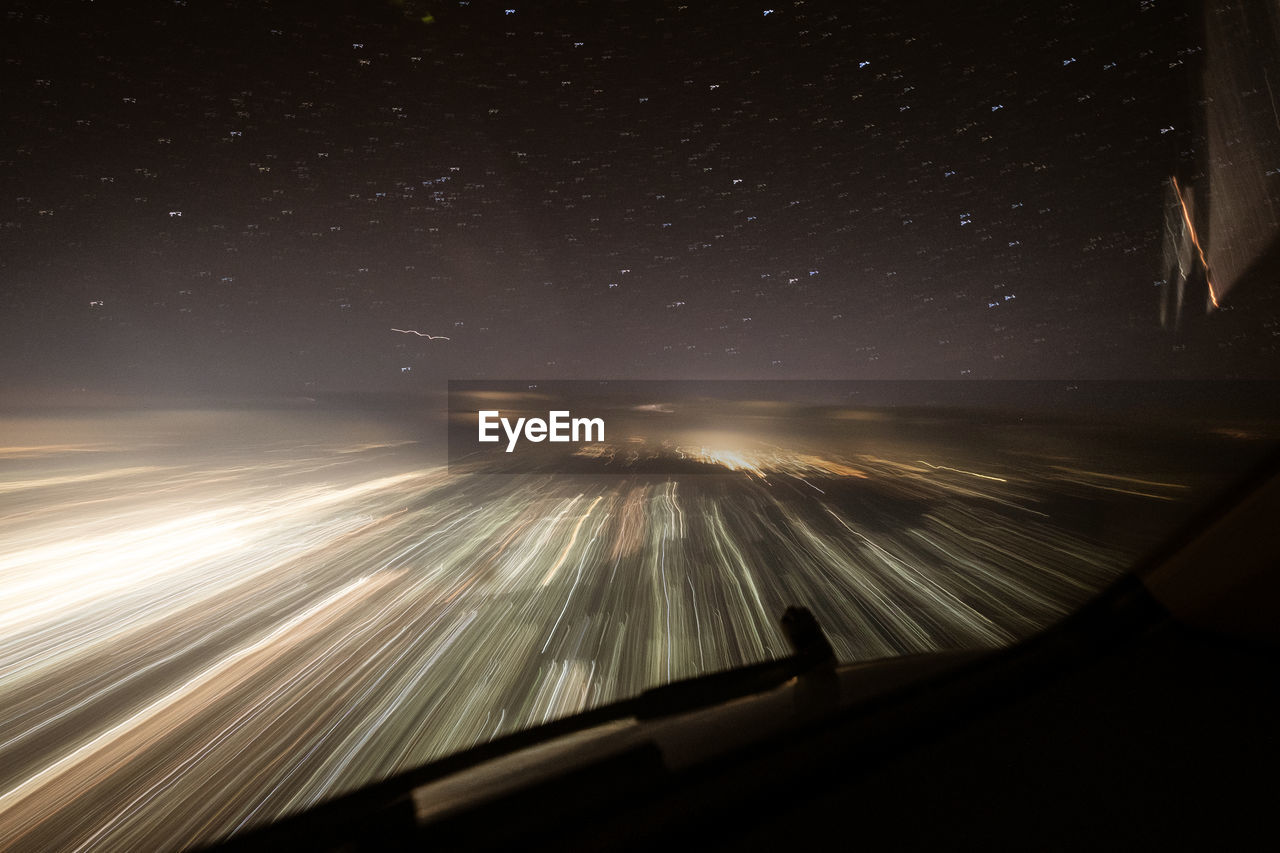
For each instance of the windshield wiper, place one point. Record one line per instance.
(385, 804)
(810, 651)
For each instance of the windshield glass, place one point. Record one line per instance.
(383, 378)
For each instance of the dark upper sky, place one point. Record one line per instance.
(251, 197)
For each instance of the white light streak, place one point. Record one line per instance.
(422, 334)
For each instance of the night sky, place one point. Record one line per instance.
(249, 198)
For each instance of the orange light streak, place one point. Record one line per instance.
(1195, 240)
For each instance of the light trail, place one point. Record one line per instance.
(195, 645)
(422, 334)
(30, 786)
(1195, 240)
(967, 473)
(573, 538)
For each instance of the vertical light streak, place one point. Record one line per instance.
(1195, 240)
(572, 539)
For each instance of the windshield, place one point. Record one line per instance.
(931, 318)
